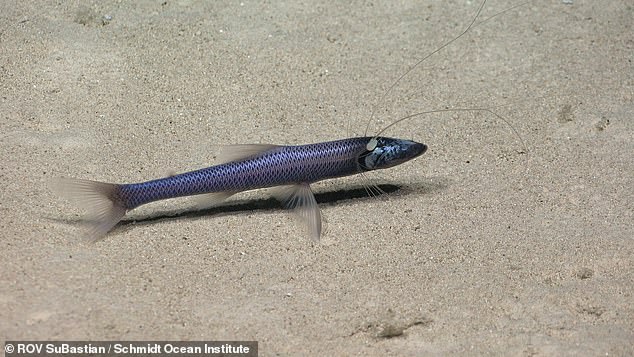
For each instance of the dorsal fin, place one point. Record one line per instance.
(230, 153)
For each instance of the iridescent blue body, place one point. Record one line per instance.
(282, 165)
(289, 168)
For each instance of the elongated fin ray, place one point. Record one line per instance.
(101, 201)
(487, 110)
(230, 153)
(301, 199)
(469, 27)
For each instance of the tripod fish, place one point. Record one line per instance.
(289, 169)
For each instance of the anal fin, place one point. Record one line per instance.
(209, 200)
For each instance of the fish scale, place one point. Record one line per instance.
(283, 165)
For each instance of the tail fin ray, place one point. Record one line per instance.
(101, 200)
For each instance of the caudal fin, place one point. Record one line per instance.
(101, 201)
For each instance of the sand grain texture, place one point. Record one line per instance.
(481, 250)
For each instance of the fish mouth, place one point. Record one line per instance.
(418, 148)
(414, 149)
(410, 150)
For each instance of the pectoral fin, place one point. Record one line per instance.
(301, 199)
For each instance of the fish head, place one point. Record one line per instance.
(383, 152)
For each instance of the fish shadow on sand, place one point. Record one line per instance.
(345, 195)
(342, 195)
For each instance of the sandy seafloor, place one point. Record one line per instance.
(479, 248)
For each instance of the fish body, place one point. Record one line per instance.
(279, 165)
(289, 168)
